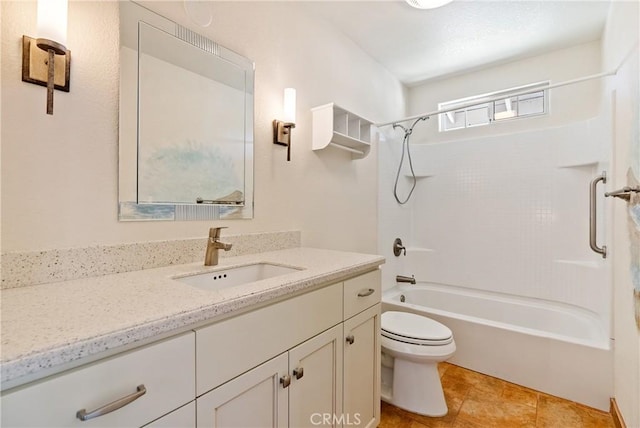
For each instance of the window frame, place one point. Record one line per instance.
(490, 101)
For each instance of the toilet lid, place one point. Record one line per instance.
(416, 329)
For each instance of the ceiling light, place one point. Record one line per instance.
(427, 4)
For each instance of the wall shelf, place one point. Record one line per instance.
(337, 127)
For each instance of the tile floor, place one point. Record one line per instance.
(479, 401)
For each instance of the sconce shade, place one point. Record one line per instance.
(289, 107)
(45, 59)
(52, 20)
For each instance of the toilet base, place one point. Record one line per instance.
(417, 388)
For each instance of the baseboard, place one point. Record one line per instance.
(617, 416)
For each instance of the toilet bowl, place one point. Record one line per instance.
(412, 347)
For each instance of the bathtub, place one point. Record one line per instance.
(555, 348)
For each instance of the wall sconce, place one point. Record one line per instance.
(282, 128)
(45, 60)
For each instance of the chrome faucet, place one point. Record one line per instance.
(213, 245)
(402, 278)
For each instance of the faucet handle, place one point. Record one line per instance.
(214, 232)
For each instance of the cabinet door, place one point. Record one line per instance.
(254, 399)
(362, 368)
(315, 394)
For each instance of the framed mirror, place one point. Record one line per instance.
(186, 123)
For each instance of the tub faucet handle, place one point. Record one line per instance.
(398, 247)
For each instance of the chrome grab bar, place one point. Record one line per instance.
(624, 193)
(592, 215)
(83, 415)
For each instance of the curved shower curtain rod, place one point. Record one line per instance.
(500, 97)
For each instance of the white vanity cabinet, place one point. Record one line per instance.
(303, 361)
(293, 389)
(304, 334)
(330, 379)
(361, 378)
(149, 382)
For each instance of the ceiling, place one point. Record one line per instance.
(419, 45)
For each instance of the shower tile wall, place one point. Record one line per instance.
(509, 214)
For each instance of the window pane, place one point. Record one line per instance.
(453, 120)
(477, 116)
(505, 109)
(531, 104)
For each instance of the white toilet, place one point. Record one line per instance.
(412, 347)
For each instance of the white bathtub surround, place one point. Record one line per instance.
(509, 214)
(49, 327)
(39, 267)
(559, 349)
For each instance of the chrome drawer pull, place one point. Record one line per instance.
(299, 372)
(84, 416)
(366, 293)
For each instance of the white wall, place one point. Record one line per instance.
(59, 173)
(620, 39)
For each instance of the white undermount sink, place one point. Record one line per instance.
(232, 277)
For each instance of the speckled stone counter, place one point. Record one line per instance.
(52, 326)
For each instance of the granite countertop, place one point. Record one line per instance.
(52, 325)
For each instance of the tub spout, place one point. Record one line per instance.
(408, 279)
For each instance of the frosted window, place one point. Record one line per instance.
(510, 107)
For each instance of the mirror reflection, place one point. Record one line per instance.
(186, 123)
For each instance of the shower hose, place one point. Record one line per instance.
(406, 149)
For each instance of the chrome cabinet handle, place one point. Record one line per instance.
(351, 339)
(285, 381)
(115, 405)
(367, 292)
(592, 215)
(299, 372)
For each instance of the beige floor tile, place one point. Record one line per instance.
(442, 368)
(479, 401)
(497, 414)
(518, 394)
(555, 412)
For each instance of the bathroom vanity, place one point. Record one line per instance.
(297, 349)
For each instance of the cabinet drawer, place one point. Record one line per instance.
(361, 293)
(184, 417)
(231, 347)
(166, 369)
